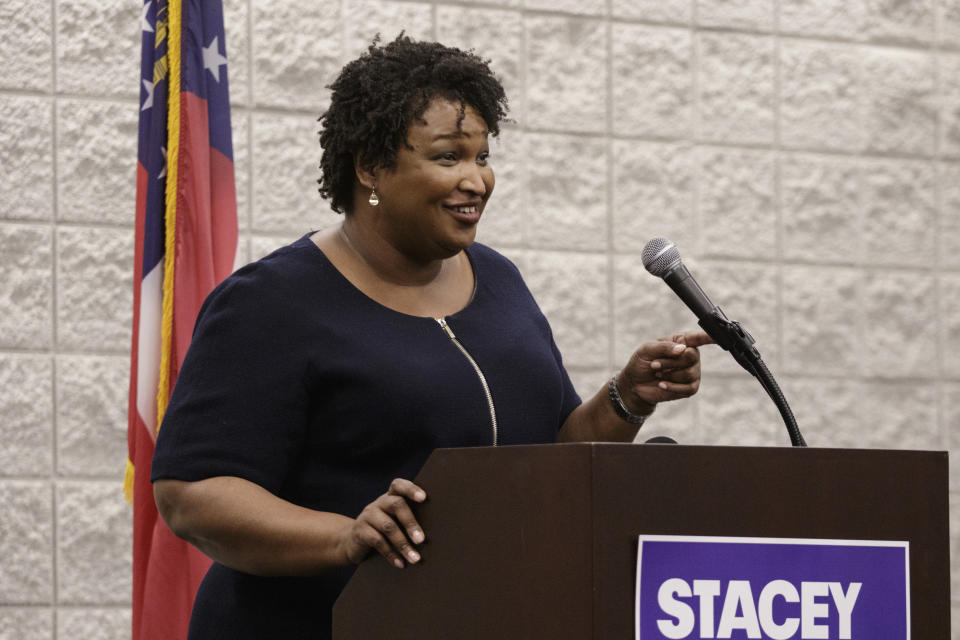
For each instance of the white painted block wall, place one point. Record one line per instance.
(804, 155)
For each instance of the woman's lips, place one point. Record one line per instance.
(466, 213)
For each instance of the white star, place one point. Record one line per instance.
(163, 172)
(212, 59)
(149, 101)
(144, 23)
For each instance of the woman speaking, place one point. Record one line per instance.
(321, 377)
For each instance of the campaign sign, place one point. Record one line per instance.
(694, 587)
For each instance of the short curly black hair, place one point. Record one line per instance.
(377, 96)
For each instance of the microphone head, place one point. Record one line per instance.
(659, 256)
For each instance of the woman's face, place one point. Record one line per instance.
(432, 200)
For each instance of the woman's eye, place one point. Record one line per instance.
(483, 158)
(449, 156)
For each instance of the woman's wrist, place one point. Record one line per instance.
(627, 406)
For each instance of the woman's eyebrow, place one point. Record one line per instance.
(455, 135)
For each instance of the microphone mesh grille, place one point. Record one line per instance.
(659, 255)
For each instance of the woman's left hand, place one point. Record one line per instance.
(663, 370)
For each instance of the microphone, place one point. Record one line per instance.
(662, 258)
(660, 440)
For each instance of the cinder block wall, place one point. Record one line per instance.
(803, 154)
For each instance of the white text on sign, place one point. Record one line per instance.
(741, 611)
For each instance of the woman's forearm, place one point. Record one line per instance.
(245, 527)
(596, 421)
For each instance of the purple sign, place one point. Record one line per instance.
(693, 588)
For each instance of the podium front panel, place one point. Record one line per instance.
(540, 542)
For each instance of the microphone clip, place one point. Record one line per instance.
(732, 337)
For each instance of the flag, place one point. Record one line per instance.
(186, 238)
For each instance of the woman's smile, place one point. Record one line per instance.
(466, 213)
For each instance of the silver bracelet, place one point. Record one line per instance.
(621, 409)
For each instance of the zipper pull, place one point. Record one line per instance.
(446, 328)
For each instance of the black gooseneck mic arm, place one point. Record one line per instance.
(734, 338)
(662, 259)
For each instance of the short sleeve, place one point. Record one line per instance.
(239, 406)
(571, 399)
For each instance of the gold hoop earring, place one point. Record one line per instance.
(374, 200)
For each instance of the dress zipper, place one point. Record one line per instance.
(476, 367)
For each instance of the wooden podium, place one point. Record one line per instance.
(540, 542)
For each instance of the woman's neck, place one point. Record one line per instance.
(431, 289)
(387, 262)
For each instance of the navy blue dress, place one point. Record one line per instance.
(297, 381)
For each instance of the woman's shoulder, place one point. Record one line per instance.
(279, 276)
(498, 274)
(491, 262)
(285, 263)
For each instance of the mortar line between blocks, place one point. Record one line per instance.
(940, 338)
(524, 131)
(251, 105)
(54, 265)
(611, 202)
(780, 225)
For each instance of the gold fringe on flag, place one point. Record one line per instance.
(175, 16)
(128, 482)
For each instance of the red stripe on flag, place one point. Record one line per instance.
(206, 222)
